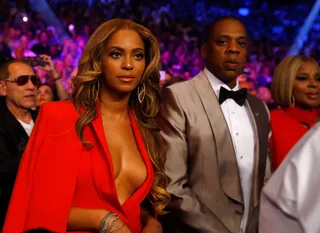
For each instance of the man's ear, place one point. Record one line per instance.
(204, 51)
(3, 88)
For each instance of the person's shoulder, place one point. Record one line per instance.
(66, 105)
(279, 119)
(277, 113)
(253, 100)
(177, 89)
(179, 85)
(5, 114)
(58, 110)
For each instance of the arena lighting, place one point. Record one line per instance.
(42, 7)
(25, 19)
(303, 31)
(243, 11)
(71, 27)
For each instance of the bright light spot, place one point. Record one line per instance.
(243, 11)
(71, 27)
(25, 18)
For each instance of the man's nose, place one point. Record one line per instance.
(232, 47)
(30, 85)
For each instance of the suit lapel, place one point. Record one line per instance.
(228, 168)
(255, 117)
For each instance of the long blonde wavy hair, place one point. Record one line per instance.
(86, 88)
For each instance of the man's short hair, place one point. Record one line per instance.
(207, 33)
(4, 68)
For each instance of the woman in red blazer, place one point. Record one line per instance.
(90, 163)
(296, 90)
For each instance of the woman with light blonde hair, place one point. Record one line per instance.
(95, 164)
(295, 89)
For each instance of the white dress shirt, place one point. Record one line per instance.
(241, 128)
(290, 201)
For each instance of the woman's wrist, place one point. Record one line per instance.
(102, 214)
(56, 77)
(110, 222)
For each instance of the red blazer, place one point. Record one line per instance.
(288, 126)
(47, 176)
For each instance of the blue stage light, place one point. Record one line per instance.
(243, 11)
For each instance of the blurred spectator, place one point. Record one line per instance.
(12, 38)
(250, 87)
(264, 94)
(197, 66)
(42, 47)
(70, 81)
(46, 93)
(52, 77)
(4, 48)
(68, 64)
(54, 51)
(166, 78)
(166, 60)
(22, 49)
(264, 78)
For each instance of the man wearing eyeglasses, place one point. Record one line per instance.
(18, 84)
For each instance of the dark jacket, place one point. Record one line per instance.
(13, 139)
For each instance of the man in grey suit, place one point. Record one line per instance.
(216, 138)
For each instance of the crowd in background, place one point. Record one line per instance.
(62, 28)
(51, 36)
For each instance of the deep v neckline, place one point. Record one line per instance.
(142, 190)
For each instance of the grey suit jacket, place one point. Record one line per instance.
(201, 162)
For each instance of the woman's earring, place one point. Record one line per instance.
(293, 101)
(141, 93)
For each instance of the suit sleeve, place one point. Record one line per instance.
(184, 205)
(18, 208)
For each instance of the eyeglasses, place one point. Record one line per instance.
(23, 80)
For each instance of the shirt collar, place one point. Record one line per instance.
(216, 83)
